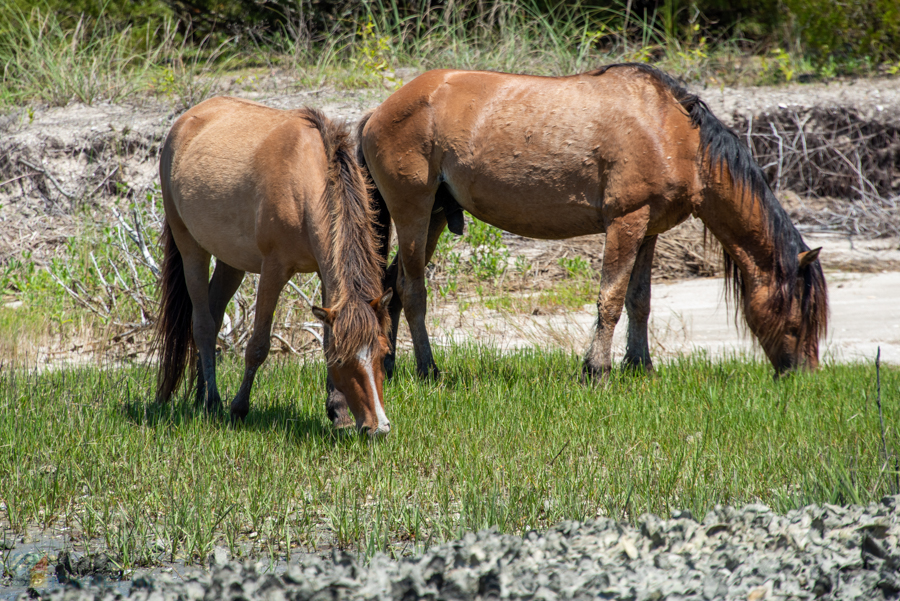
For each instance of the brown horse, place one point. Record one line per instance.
(275, 193)
(623, 150)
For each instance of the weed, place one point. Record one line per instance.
(576, 267)
(489, 255)
(373, 51)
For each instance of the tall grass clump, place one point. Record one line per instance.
(46, 59)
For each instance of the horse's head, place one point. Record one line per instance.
(355, 354)
(789, 330)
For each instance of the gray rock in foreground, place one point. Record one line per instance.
(826, 552)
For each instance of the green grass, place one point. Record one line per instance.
(511, 441)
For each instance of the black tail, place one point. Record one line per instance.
(174, 334)
(382, 216)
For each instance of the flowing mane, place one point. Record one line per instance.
(355, 263)
(721, 148)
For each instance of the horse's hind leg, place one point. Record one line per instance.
(224, 283)
(623, 238)
(272, 278)
(394, 308)
(637, 304)
(435, 228)
(196, 274)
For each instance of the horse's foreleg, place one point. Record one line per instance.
(224, 283)
(637, 304)
(623, 238)
(272, 279)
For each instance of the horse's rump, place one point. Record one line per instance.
(242, 175)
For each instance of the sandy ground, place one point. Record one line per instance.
(691, 316)
(688, 316)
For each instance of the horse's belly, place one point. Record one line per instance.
(541, 209)
(546, 221)
(242, 254)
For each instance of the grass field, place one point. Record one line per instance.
(512, 441)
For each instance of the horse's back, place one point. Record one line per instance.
(241, 174)
(548, 157)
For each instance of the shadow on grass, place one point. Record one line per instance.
(295, 425)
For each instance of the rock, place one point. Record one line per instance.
(752, 554)
(220, 556)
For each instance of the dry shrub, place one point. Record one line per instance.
(834, 153)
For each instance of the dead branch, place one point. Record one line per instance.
(53, 181)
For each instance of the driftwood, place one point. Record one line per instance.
(832, 153)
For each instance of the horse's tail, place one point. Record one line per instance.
(382, 216)
(174, 336)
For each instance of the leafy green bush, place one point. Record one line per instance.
(866, 31)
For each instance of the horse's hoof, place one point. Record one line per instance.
(591, 375)
(431, 373)
(239, 410)
(213, 404)
(637, 365)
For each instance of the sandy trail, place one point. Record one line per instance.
(691, 316)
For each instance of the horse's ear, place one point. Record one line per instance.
(380, 303)
(326, 316)
(808, 256)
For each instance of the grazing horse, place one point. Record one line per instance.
(275, 193)
(623, 150)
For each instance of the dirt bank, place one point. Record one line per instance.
(57, 162)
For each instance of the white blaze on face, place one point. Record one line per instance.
(365, 360)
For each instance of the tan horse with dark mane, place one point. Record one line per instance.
(275, 193)
(623, 150)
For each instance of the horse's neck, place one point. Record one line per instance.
(740, 224)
